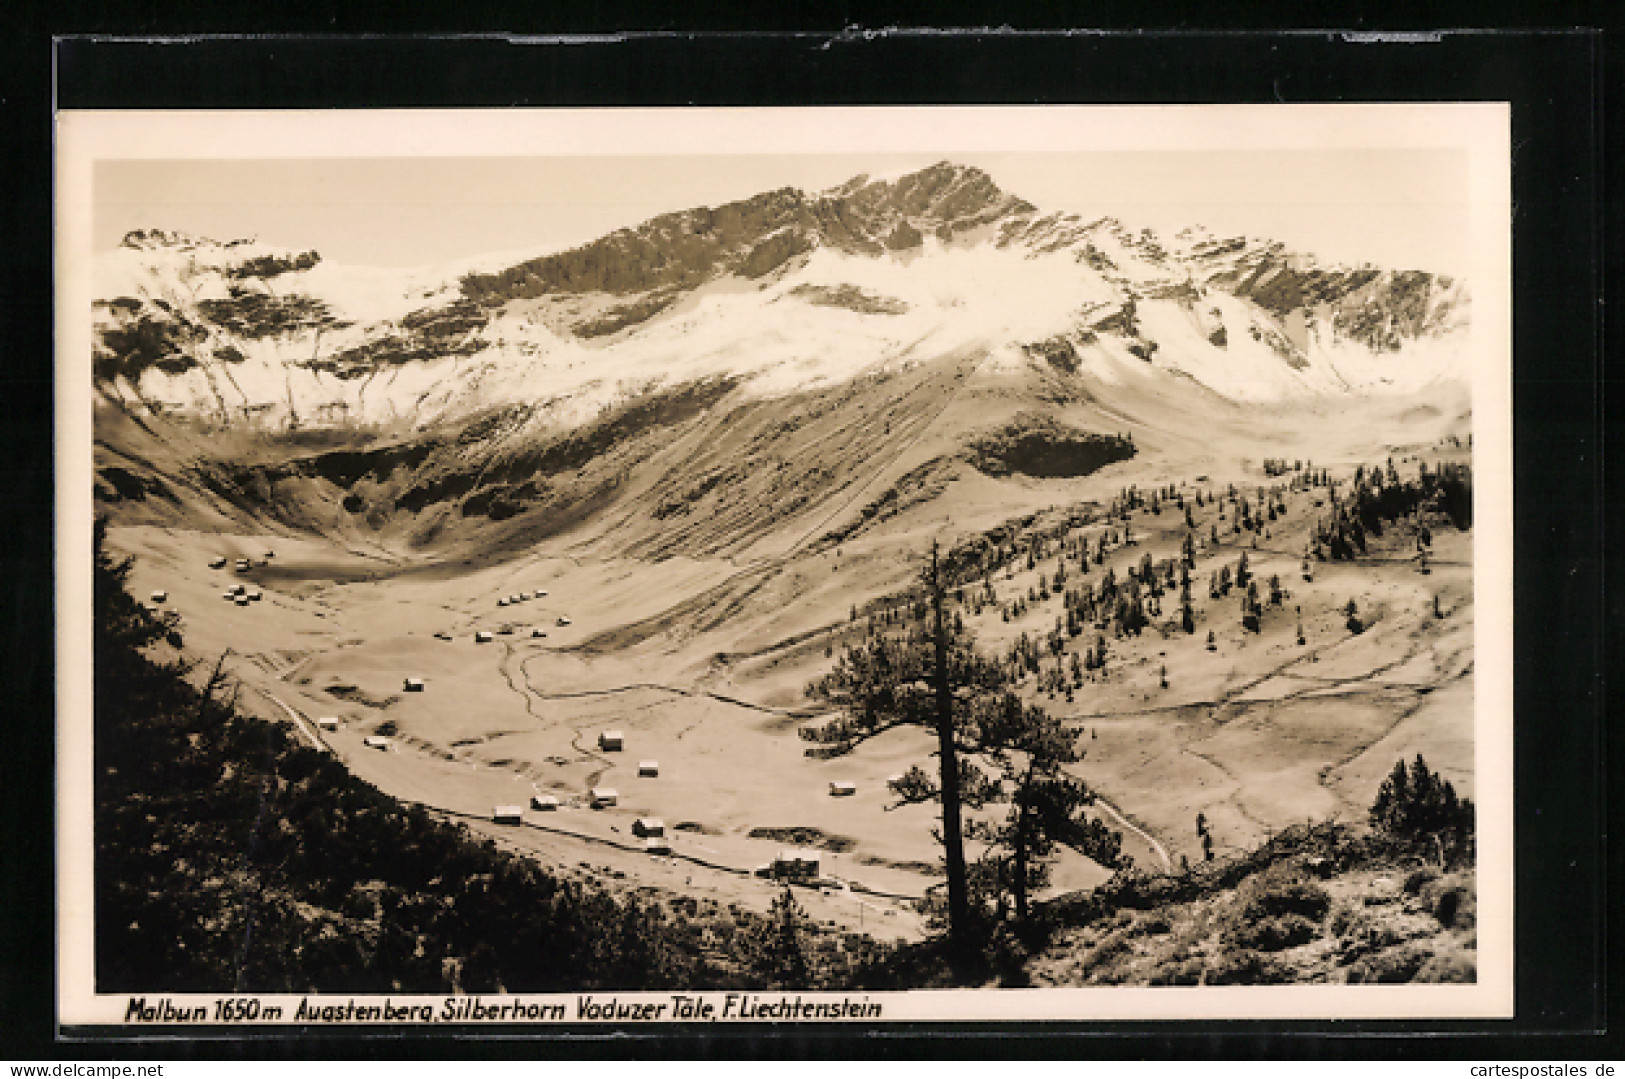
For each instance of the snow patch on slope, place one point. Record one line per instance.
(1097, 300)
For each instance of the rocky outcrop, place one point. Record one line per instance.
(754, 236)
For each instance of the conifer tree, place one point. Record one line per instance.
(1250, 609)
(990, 746)
(1045, 805)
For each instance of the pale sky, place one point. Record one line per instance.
(1403, 208)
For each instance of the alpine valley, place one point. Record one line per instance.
(657, 483)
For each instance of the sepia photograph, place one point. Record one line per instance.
(531, 567)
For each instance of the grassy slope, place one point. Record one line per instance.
(1312, 905)
(231, 858)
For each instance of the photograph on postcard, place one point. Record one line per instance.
(785, 564)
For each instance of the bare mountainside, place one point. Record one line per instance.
(656, 483)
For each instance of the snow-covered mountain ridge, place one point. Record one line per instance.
(782, 293)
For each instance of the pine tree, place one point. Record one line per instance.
(1250, 609)
(935, 679)
(1045, 806)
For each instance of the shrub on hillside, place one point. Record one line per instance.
(1274, 933)
(1392, 966)
(1247, 968)
(1280, 908)
(1361, 934)
(1283, 891)
(1452, 901)
(1181, 972)
(1448, 967)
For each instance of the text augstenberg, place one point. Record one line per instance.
(676, 1007)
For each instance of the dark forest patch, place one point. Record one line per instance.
(1036, 445)
(150, 340)
(273, 265)
(248, 313)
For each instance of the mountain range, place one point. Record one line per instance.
(808, 360)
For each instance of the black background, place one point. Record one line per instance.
(1562, 239)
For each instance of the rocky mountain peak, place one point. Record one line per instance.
(752, 237)
(944, 192)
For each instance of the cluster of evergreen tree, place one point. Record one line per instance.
(1024, 541)
(1125, 606)
(257, 313)
(1280, 466)
(1131, 498)
(230, 857)
(1417, 806)
(1378, 496)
